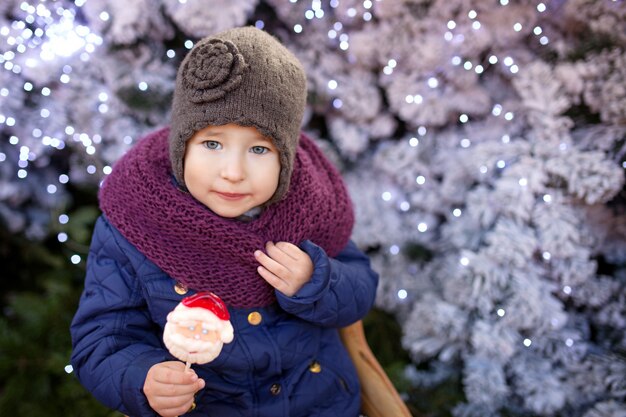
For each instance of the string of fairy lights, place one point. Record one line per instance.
(50, 34)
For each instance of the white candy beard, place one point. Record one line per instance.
(190, 350)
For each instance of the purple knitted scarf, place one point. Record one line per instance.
(207, 252)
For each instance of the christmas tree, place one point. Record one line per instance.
(483, 141)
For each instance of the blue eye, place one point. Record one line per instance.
(213, 145)
(259, 150)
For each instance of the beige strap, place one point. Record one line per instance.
(379, 397)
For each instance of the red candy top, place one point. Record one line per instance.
(210, 301)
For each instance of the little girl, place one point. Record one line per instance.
(231, 199)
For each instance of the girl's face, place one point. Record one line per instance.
(231, 169)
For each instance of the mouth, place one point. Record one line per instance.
(230, 196)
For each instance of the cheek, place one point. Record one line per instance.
(186, 160)
(198, 172)
(264, 175)
(269, 181)
(275, 177)
(190, 166)
(273, 172)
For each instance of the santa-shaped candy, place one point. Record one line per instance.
(197, 328)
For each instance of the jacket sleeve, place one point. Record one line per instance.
(113, 338)
(340, 292)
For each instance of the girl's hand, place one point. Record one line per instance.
(285, 267)
(170, 389)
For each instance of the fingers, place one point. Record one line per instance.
(281, 257)
(285, 266)
(166, 381)
(170, 389)
(270, 264)
(275, 281)
(173, 372)
(283, 251)
(271, 271)
(175, 411)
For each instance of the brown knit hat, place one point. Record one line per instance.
(242, 76)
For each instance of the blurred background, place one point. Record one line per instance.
(483, 142)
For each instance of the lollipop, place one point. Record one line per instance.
(197, 328)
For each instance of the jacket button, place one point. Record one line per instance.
(275, 389)
(180, 288)
(255, 318)
(315, 367)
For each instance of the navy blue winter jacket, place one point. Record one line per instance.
(292, 363)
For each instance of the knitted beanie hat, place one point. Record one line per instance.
(246, 77)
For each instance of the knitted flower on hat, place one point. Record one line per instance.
(213, 69)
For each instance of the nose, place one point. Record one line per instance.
(233, 168)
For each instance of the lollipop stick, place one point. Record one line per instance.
(187, 366)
